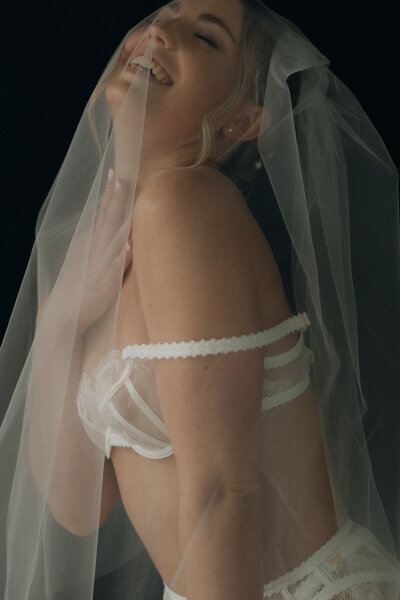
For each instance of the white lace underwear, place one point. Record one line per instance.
(119, 406)
(352, 565)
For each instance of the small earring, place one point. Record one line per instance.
(230, 130)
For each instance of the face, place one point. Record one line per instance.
(196, 42)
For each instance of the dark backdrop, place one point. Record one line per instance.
(52, 57)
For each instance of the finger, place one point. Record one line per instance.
(117, 246)
(117, 213)
(113, 273)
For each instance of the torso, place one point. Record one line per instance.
(149, 488)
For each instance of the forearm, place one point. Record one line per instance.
(222, 549)
(56, 369)
(59, 448)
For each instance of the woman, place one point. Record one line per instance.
(168, 379)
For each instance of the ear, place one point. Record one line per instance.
(246, 126)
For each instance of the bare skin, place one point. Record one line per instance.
(200, 268)
(150, 488)
(225, 262)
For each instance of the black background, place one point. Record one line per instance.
(53, 55)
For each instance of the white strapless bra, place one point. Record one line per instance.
(118, 404)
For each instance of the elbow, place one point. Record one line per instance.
(226, 507)
(198, 496)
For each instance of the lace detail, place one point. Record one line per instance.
(362, 586)
(217, 346)
(307, 565)
(114, 413)
(290, 392)
(352, 565)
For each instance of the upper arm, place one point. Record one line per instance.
(190, 259)
(196, 281)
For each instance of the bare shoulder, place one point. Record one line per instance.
(200, 213)
(204, 210)
(199, 255)
(202, 192)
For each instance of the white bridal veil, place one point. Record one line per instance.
(323, 190)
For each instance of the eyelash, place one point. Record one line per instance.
(208, 40)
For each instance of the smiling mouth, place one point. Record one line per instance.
(157, 73)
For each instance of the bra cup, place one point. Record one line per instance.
(119, 403)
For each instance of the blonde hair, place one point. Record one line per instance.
(240, 162)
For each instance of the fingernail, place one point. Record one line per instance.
(128, 247)
(110, 174)
(117, 185)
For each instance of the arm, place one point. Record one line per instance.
(196, 281)
(60, 453)
(59, 436)
(55, 423)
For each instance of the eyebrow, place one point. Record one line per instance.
(206, 17)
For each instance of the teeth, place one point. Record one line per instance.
(143, 61)
(157, 71)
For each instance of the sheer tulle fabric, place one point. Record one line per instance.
(349, 565)
(326, 169)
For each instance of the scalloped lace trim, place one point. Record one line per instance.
(356, 579)
(218, 346)
(306, 567)
(335, 588)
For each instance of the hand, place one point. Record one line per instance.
(108, 254)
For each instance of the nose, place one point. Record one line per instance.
(162, 33)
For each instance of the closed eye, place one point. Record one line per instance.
(208, 40)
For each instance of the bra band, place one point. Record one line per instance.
(218, 346)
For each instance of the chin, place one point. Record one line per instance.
(115, 94)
